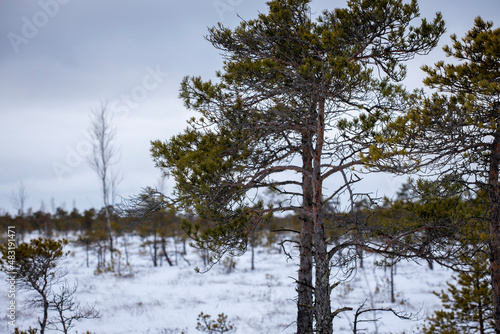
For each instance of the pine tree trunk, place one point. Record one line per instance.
(480, 307)
(494, 243)
(155, 250)
(164, 249)
(359, 251)
(305, 311)
(43, 322)
(176, 253)
(252, 244)
(393, 298)
(87, 247)
(125, 243)
(322, 307)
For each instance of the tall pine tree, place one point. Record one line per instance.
(457, 129)
(277, 120)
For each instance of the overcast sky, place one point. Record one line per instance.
(61, 58)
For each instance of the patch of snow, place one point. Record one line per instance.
(161, 300)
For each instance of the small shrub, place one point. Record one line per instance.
(219, 326)
(29, 331)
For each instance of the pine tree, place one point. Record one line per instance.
(457, 129)
(468, 303)
(35, 266)
(299, 101)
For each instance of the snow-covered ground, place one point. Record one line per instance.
(160, 300)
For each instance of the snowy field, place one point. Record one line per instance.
(161, 300)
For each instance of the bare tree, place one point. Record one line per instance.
(68, 309)
(361, 311)
(102, 158)
(18, 199)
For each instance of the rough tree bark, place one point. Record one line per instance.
(305, 308)
(322, 307)
(494, 211)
